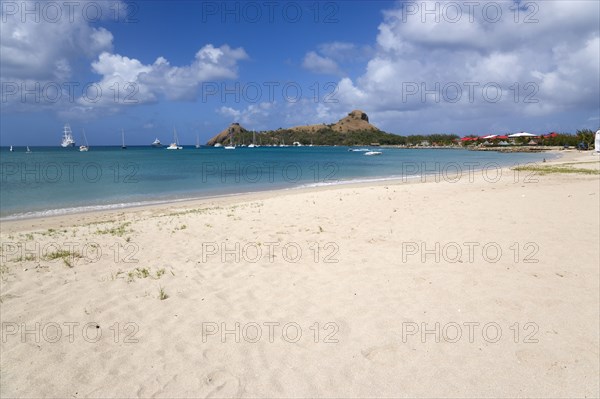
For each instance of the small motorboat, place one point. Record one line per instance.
(371, 153)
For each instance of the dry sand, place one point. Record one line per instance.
(346, 267)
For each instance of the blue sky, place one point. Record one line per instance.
(415, 67)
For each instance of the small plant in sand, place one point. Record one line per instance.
(182, 227)
(67, 257)
(114, 276)
(100, 222)
(26, 258)
(544, 170)
(138, 272)
(191, 211)
(162, 295)
(142, 272)
(49, 232)
(118, 231)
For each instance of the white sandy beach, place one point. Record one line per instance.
(358, 270)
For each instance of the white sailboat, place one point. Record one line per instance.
(175, 144)
(86, 147)
(10, 149)
(156, 143)
(253, 145)
(28, 150)
(231, 146)
(123, 146)
(197, 141)
(67, 138)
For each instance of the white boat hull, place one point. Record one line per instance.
(67, 138)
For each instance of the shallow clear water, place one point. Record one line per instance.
(57, 180)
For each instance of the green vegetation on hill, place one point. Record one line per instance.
(327, 136)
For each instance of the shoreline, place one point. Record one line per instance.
(358, 263)
(66, 219)
(118, 208)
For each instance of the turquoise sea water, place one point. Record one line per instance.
(57, 180)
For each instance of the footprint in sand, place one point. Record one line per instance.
(222, 384)
(385, 355)
(211, 355)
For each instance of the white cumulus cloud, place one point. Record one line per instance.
(441, 75)
(44, 43)
(319, 64)
(127, 81)
(254, 116)
(45, 53)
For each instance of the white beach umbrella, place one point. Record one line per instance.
(522, 134)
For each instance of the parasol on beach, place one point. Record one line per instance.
(521, 134)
